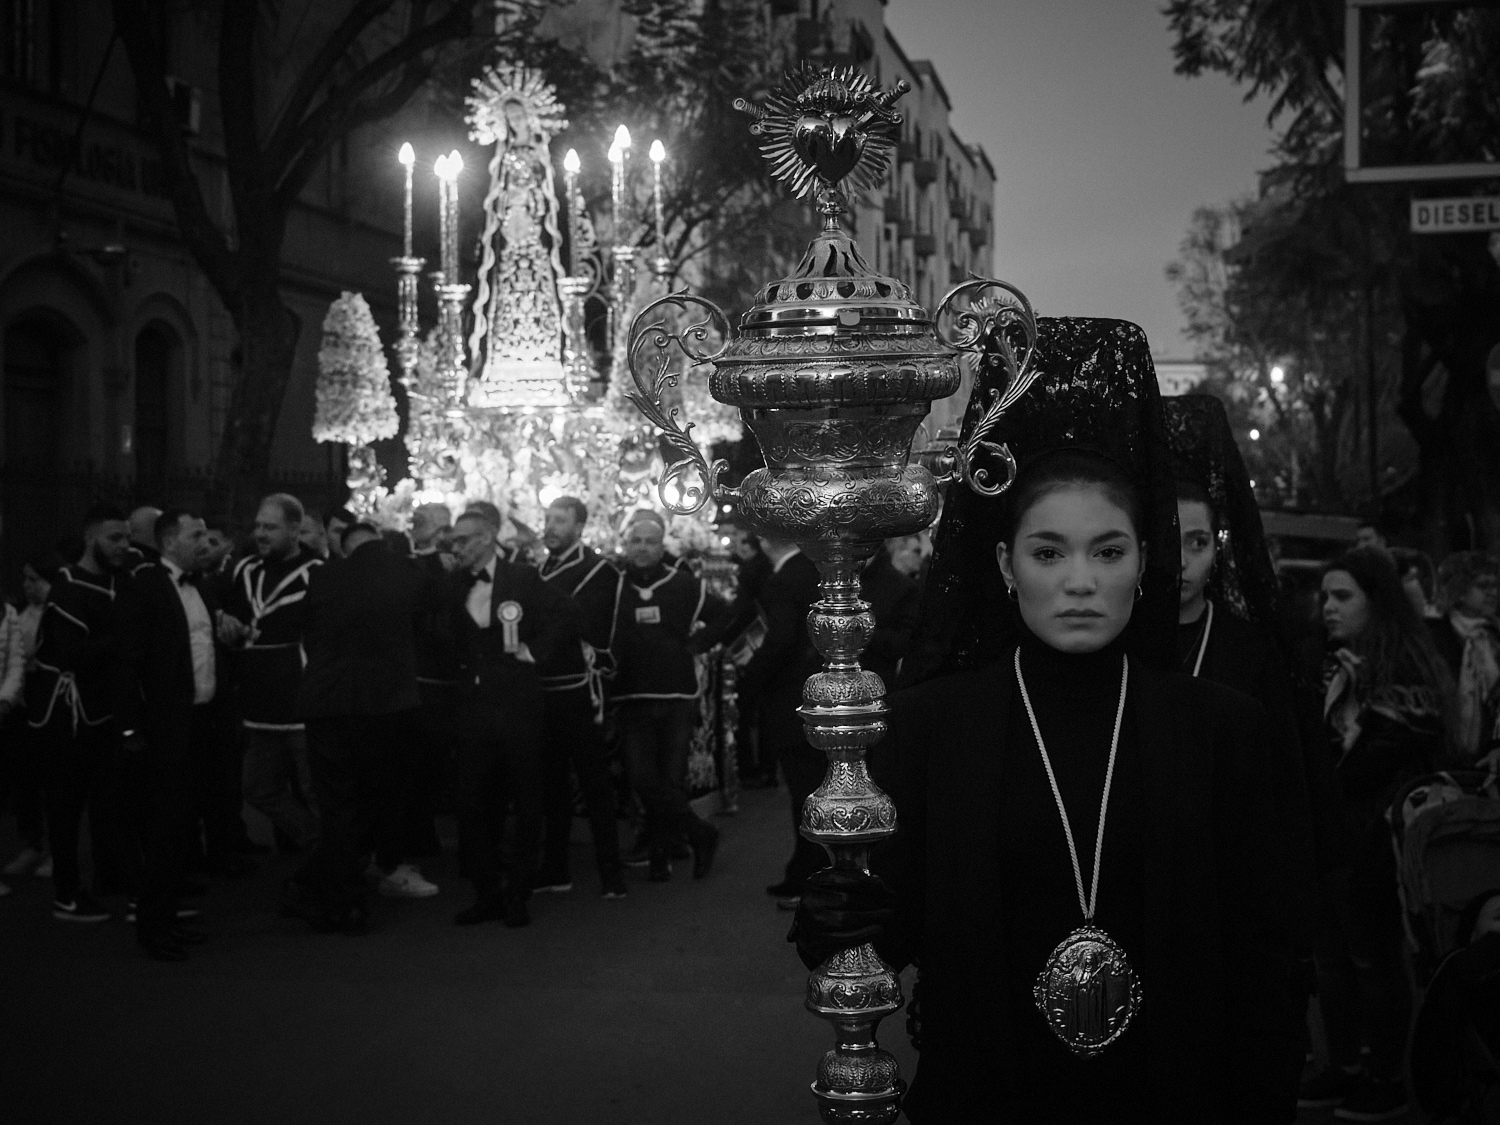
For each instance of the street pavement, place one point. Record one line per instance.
(679, 1004)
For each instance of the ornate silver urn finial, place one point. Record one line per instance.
(833, 369)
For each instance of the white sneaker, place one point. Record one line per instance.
(44, 869)
(27, 858)
(407, 882)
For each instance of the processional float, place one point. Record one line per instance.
(833, 369)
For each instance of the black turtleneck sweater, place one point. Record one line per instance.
(1075, 697)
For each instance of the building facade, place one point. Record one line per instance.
(118, 357)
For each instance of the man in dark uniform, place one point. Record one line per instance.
(896, 602)
(656, 689)
(508, 623)
(165, 680)
(771, 687)
(70, 706)
(358, 696)
(572, 695)
(268, 596)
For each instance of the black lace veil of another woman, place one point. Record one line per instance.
(1097, 390)
(1204, 453)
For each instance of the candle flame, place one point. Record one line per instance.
(658, 151)
(622, 137)
(407, 156)
(571, 163)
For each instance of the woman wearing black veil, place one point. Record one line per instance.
(1082, 872)
(1227, 632)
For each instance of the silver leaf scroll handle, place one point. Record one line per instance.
(649, 355)
(992, 320)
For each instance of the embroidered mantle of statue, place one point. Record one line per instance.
(517, 340)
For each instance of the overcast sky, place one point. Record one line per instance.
(1100, 150)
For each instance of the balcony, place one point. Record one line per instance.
(892, 209)
(925, 245)
(957, 275)
(907, 151)
(958, 210)
(904, 229)
(979, 236)
(924, 172)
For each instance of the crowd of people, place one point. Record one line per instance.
(351, 684)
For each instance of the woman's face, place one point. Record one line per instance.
(34, 586)
(1346, 609)
(1480, 599)
(1074, 565)
(1197, 549)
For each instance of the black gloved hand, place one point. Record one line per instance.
(840, 909)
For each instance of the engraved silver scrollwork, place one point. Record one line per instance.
(993, 321)
(650, 351)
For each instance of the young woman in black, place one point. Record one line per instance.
(1387, 695)
(1142, 973)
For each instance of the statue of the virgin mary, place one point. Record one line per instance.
(517, 340)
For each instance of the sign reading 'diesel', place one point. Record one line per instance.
(1448, 216)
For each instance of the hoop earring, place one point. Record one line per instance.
(1139, 592)
(1010, 592)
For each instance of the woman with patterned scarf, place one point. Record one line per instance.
(1468, 637)
(1387, 696)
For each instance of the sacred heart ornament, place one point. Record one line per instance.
(1087, 992)
(832, 145)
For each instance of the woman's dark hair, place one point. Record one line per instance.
(1396, 643)
(1191, 492)
(1067, 468)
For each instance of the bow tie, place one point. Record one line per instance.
(469, 579)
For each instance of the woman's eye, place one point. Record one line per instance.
(1046, 554)
(1112, 553)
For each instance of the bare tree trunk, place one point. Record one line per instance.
(268, 340)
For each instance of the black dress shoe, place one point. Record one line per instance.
(186, 935)
(160, 947)
(490, 908)
(704, 847)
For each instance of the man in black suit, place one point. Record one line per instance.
(508, 623)
(358, 697)
(165, 678)
(573, 696)
(771, 687)
(896, 602)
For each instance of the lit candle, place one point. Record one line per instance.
(658, 154)
(455, 166)
(571, 167)
(619, 153)
(408, 158)
(440, 167)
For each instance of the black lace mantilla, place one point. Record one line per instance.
(1204, 452)
(1097, 389)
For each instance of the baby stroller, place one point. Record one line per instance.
(1446, 832)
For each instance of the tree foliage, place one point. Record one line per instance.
(1324, 269)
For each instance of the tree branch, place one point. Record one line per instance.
(320, 67)
(308, 138)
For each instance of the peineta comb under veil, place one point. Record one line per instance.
(1204, 453)
(1097, 390)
